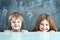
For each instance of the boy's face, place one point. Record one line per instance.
(16, 23)
(44, 26)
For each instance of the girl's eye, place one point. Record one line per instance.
(46, 24)
(41, 24)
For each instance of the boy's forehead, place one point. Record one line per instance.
(16, 18)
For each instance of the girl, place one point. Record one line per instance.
(15, 22)
(45, 24)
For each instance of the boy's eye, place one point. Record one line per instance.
(13, 22)
(18, 21)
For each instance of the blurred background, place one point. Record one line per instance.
(30, 9)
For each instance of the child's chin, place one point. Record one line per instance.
(16, 28)
(44, 31)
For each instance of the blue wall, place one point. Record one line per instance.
(30, 9)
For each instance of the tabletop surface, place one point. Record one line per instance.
(29, 35)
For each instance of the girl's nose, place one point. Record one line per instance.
(44, 26)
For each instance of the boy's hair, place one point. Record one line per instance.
(15, 15)
(41, 18)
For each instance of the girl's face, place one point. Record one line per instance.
(16, 23)
(44, 26)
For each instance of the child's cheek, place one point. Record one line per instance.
(41, 26)
(12, 25)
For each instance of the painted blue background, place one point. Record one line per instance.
(30, 9)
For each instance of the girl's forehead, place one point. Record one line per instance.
(44, 21)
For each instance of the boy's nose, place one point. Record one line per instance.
(15, 23)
